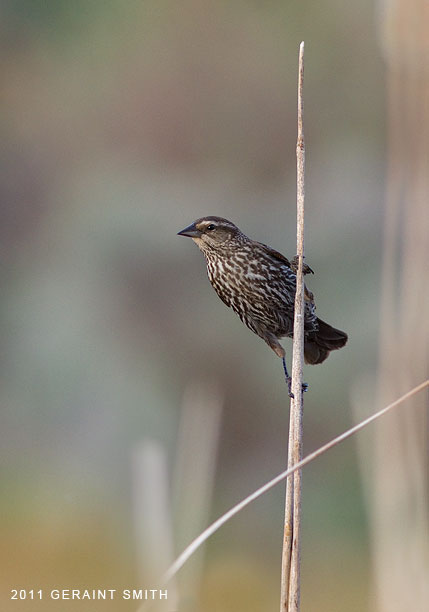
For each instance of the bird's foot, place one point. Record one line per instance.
(289, 386)
(304, 387)
(287, 378)
(289, 381)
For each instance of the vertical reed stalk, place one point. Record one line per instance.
(290, 579)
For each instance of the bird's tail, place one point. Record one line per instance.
(321, 342)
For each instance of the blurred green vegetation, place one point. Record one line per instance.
(122, 123)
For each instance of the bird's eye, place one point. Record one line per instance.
(210, 227)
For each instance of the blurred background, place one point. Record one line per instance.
(135, 407)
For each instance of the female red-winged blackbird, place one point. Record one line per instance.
(259, 284)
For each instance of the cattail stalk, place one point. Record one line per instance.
(290, 577)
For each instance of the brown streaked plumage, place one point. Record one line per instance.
(259, 284)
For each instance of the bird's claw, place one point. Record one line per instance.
(289, 381)
(304, 387)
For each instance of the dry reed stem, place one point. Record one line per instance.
(194, 473)
(398, 473)
(152, 514)
(290, 575)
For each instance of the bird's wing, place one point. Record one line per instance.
(308, 296)
(275, 254)
(305, 267)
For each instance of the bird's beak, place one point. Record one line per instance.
(190, 231)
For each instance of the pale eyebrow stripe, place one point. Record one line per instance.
(205, 224)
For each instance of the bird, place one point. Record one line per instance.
(259, 284)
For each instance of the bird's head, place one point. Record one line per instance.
(213, 233)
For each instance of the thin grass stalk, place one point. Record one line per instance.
(211, 529)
